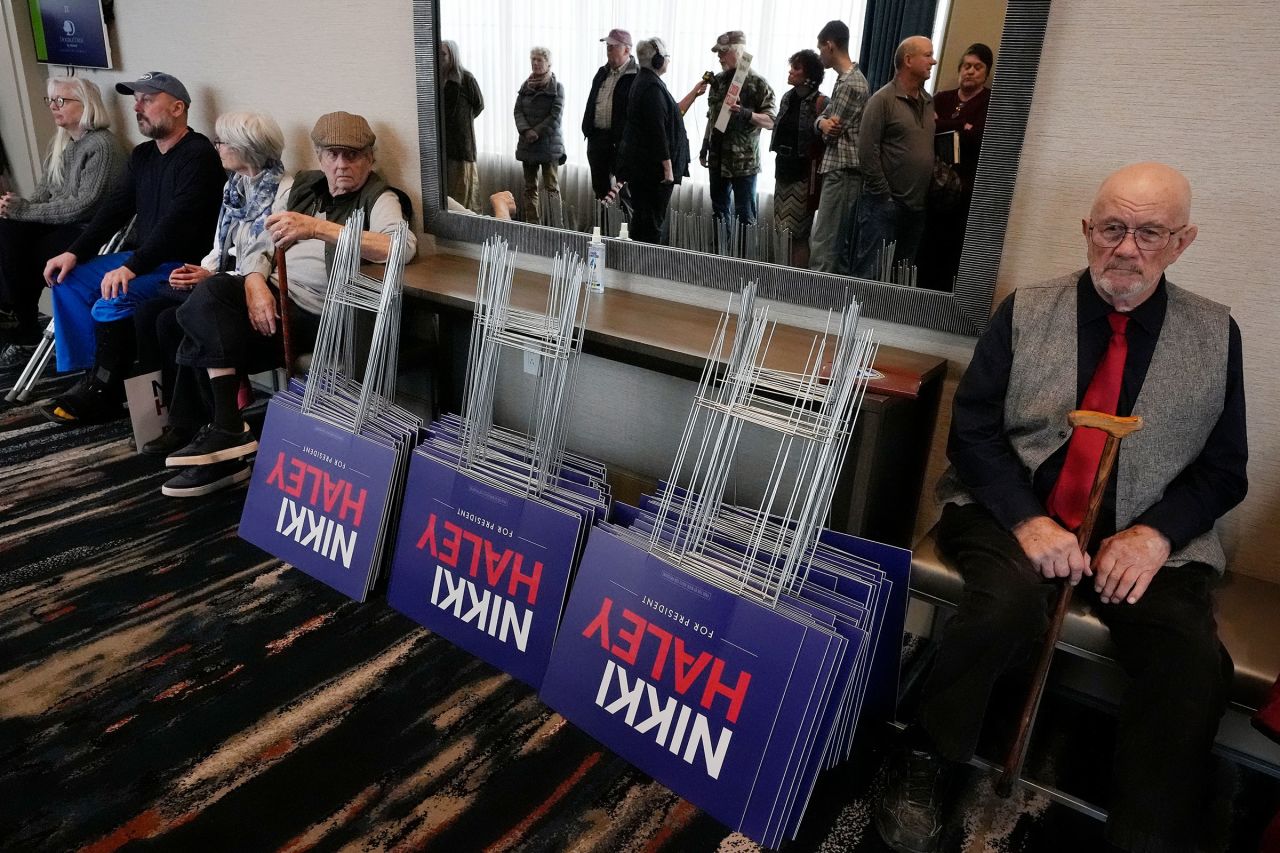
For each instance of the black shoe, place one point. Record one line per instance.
(213, 444)
(909, 815)
(16, 355)
(8, 320)
(199, 480)
(90, 401)
(171, 438)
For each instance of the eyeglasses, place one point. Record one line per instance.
(1148, 238)
(59, 102)
(216, 142)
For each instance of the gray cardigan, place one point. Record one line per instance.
(90, 166)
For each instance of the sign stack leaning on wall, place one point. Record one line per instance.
(730, 651)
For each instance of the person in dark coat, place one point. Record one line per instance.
(539, 105)
(606, 111)
(964, 110)
(799, 149)
(460, 103)
(654, 153)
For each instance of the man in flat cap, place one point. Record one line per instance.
(173, 185)
(232, 326)
(733, 156)
(606, 111)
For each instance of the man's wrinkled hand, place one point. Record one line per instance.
(261, 304)
(287, 228)
(1052, 549)
(1127, 563)
(116, 282)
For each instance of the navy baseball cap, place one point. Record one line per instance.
(156, 81)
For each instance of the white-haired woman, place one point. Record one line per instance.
(460, 103)
(251, 146)
(653, 155)
(539, 105)
(84, 161)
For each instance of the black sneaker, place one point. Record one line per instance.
(89, 401)
(171, 438)
(16, 355)
(199, 480)
(909, 815)
(213, 444)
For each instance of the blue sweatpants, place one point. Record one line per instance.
(78, 304)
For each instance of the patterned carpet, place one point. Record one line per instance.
(164, 685)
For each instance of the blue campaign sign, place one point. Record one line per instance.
(317, 497)
(881, 700)
(685, 680)
(482, 567)
(70, 32)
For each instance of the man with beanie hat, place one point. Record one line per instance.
(223, 336)
(173, 185)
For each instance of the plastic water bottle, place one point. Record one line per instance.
(623, 232)
(595, 262)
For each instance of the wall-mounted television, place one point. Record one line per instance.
(70, 32)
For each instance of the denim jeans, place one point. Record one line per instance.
(743, 192)
(883, 219)
(832, 235)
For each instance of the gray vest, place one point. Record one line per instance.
(1180, 401)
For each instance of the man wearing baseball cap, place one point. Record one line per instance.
(306, 223)
(173, 185)
(733, 156)
(606, 112)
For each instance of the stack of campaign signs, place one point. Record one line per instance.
(326, 487)
(730, 651)
(495, 520)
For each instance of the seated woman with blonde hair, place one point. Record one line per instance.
(84, 161)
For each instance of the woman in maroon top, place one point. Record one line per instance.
(963, 110)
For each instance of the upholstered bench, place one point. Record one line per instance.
(1248, 614)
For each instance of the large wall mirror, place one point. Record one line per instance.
(492, 40)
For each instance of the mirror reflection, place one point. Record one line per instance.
(789, 138)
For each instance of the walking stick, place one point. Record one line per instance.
(1116, 429)
(286, 336)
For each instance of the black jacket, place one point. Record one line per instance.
(461, 102)
(621, 95)
(654, 132)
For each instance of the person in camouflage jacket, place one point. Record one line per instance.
(733, 157)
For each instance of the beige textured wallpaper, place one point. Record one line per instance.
(1182, 82)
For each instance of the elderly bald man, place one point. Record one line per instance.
(1116, 336)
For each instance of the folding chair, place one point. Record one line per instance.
(35, 368)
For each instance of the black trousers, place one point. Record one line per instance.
(159, 335)
(25, 247)
(1167, 643)
(649, 204)
(216, 333)
(601, 153)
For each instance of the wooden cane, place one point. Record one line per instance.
(1116, 429)
(286, 336)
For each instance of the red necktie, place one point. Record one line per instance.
(1070, 495)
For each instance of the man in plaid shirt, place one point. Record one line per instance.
(841, 179)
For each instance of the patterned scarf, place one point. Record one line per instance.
(537, 81)
(255, 208)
